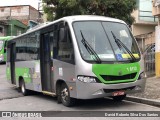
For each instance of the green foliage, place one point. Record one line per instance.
(120, 9)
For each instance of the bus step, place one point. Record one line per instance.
(48, 93)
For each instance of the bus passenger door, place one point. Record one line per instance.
(11, 53)
(46, 62)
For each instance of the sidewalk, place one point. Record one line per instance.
(151, 95)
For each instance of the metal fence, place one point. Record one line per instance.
(149, 61)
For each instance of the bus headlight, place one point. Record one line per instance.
(142, 75)
(87, 79)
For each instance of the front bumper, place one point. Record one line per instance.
(98, 90)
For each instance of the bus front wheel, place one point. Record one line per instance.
(119, 98)
(65, 96)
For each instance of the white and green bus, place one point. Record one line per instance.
(3, 46)
(77, 57)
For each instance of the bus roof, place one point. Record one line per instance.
(89, 17)
(5, 38)
(74, 18)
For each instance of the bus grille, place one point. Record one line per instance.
(123, 77)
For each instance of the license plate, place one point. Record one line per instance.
(118, 93)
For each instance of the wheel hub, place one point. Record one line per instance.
(64, 94)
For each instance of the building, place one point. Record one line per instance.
(156, 12)
(3, 28)
(12, 27)
(144, 26)
(15, 28)
(23, 13)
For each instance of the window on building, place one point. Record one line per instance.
(145, 11)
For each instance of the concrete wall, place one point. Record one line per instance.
(21, 12)
(34, 14)
(138, 29)
(155, 9)
(4, 13)
(15, 12)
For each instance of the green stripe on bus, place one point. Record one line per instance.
(116, 70)
(23, 72)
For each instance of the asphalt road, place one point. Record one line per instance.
(12, 100)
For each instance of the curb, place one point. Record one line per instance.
(143, 100)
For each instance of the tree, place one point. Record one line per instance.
(120, 9)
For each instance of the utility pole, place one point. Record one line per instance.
(40, 3)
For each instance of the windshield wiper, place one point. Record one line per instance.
(90, 49)
(120, 45)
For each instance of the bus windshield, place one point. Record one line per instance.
(102, 37)
(1, 44)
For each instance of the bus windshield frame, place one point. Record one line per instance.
(99, 36)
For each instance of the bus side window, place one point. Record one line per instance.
(32, 47)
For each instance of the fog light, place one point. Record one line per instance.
(99, 92)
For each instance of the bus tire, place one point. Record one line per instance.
(65, 96)
(23, 89)
(119, 98)
(59, 95)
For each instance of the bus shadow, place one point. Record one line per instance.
(101, 103)
(91, 105)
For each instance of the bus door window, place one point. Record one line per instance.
(49, 43)
(66, 51)
(46, 47)
(55, 44)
